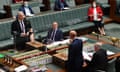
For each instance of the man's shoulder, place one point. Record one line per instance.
(79, 40)
(76, 41)
(15, 21)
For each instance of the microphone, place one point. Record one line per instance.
(95, 33)
(14, 33)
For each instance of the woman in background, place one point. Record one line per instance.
(95, 14)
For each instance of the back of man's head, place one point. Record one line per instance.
(72, 34)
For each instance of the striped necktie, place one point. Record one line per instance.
(22, 26)
(53, 35)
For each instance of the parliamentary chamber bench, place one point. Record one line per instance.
(74, 18)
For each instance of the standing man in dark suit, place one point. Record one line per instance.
(54, 34)
(75, 57)
(22, 31)
(26, 9)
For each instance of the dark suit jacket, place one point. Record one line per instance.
(58, 35)
(15, 28)
(16, 31)
(75, 57)
(58, 6)
(98, 62)
(22, 8)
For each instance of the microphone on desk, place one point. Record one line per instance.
(95, 33)
(44, 48)
(98, 35)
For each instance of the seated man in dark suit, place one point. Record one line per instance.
(22, 31)
(75, 57)
(26, 9)
(60, 5)
(54, 34)
(98, 62)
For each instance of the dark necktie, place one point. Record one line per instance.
(53, 35)
(22, 26)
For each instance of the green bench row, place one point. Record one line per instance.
(75, 18)
(34, 5)
(69, 19)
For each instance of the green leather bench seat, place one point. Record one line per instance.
(83, 25)
(111, 48)
(5, 34)
(71, 3)
(75, 18)
(34, 5)
(6, 43)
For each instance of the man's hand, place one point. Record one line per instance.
(23, 35)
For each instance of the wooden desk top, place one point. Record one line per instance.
(62, 56)
(35, 44)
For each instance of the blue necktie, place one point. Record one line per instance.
(53, 35)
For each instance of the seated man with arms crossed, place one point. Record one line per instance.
(54, 34)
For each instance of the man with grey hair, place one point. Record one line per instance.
(22, 31)
(54, 34)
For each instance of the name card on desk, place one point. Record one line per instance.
(58, 43)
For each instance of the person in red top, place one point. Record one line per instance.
(95, 14)
(18, 1)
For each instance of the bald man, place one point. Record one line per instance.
(54, 34)
(75, 57)
(22, 31)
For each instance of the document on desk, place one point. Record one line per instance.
(110, 52)
(58, 43)
(86, 56)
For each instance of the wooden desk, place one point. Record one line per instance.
(61, 58)
(35, 44)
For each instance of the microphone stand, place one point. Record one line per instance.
(15, 42)
(46, 59)
(98, 36)
(45, 62)
(14, 37)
